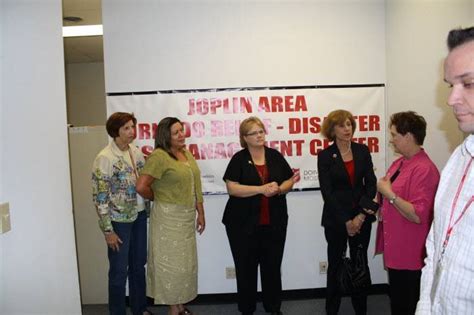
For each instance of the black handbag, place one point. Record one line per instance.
(353, 275)
(367, 203)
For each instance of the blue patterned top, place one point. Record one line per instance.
(113, 185)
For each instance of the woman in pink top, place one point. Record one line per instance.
(407, 191)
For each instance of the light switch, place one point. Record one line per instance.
(5, 225)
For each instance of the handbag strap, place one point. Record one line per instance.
(133, 164)
(344, 252)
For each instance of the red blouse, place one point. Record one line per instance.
(350, 170)
(264, 202)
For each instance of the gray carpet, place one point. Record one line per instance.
(377, 305)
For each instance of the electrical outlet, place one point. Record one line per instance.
(323, 267)
(230, 273)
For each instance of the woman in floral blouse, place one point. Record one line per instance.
(122, 218)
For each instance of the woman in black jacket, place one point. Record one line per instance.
(346, 174)
(257, 179)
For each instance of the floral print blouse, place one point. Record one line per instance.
(113, 185)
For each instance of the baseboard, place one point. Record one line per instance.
(301, 294)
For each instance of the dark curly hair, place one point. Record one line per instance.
(410, 122)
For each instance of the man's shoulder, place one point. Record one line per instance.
(457, 155)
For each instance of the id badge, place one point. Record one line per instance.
(436, 279)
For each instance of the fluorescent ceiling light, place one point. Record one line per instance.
(82, 30)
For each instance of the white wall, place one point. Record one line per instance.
(85, 91)
(151, 45)
(39, 269)
(204, 44)
(2, 123)
(84, 145)
(1, 103)
(416, 48)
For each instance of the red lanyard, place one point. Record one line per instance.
(453, 207)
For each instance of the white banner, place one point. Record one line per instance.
(293, 119)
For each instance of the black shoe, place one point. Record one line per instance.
(185, 311)
(247, 313)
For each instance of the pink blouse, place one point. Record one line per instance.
(401, 241)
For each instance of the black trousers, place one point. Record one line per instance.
(337, 238)
(404, 290)
(263, 247)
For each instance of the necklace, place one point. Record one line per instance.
(347, 151)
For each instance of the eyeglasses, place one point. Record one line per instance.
(258, 132)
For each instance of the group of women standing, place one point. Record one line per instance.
(171, 178)
(257, 179)
(406, 194)
(256, 216)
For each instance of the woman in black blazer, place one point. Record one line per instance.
(346, 174)
(257, 179)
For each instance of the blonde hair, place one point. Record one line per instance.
(246, 125)
(336, 117)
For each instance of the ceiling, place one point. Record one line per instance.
(83, 49)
